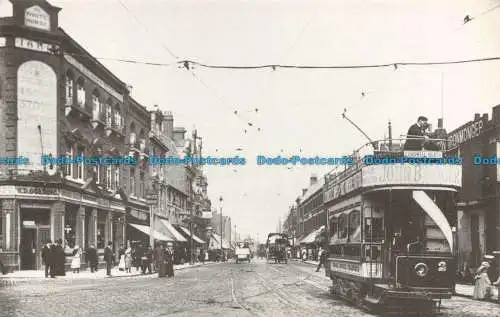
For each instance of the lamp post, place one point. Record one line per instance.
(152, 201)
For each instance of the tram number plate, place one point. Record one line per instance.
(345, 267)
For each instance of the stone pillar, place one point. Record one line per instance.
(92, 225)
(80, 227)
(57, 221)
(108, 230)
(11, 225)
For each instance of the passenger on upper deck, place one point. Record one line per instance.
(416, 135)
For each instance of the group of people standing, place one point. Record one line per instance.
(54, 259)
(484, 287)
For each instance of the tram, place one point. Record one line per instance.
(390, 235)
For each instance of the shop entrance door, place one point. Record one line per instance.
(28, 249)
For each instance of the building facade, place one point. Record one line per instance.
(478, 202)
(57, 100)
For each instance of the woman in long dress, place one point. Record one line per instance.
(128, 260)
(482, 288)
(76, 260)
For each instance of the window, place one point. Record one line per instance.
(80, 92)
(108, 176)
(342, 226)
(68, 168)
(1, 232)
(79, 167)
(142, 185)
(117, 177)
(374, 229)
(69, 89)
(97, 170)
(109, 114)
(355, 226)
(70, 228)
(333, 226)
(101, 229)
(132, 181)
(96, 106)
(118, 117)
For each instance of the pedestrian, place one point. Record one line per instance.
(322, 259)
(121, 258)
(47, 258)
(128, 260)
(59, 259)
(170, 259)
(108, 258)
(91, 258)
(76, 260)
(147, 260)
(482, 288)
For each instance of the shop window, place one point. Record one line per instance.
(342, 226)
(69, 228)
(80, 92)
(355, 226)
(69, 88)
(101, 230)
(132, 181)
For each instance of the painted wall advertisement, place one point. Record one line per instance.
(36, 17)
(36, 112)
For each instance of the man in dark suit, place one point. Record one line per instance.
(48, 258)
(170, 259)
(92, 258)
(108, 257)
(416, 135)
(59, 259)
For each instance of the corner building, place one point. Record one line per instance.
(56, 99)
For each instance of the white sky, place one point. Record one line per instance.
(298, 109)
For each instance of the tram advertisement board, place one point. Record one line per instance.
(411, 174)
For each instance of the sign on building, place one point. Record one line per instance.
(36, 17)
(465, 133)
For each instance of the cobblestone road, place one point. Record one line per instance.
(228, 289)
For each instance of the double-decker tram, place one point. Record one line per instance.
(390, 245)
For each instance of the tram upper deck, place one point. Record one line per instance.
(386, 164)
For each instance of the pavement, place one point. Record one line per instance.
(85, 274)
(460, 289)
(255, 289)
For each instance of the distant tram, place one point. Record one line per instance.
(390, 244)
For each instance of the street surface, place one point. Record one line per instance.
(223, 289)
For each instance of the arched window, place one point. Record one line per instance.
(80, 92)
(68, 88)
(142, 141)
(109, 113)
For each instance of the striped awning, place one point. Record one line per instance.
(172, 231)
(145, 229)
(188, 233)
(311, 237)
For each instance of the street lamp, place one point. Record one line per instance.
(152, 200)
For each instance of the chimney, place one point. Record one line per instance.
(496, 114)
(313, 179)
(390, 136)
(168, 124)
(440, 123)
(485, 117)
(477, 116)
(178, 136)
(304, 191)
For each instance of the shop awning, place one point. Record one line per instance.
(173, 232)
(215, 242)
(311, 237)
(435, 213)
(188, 233)
(145, 229)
